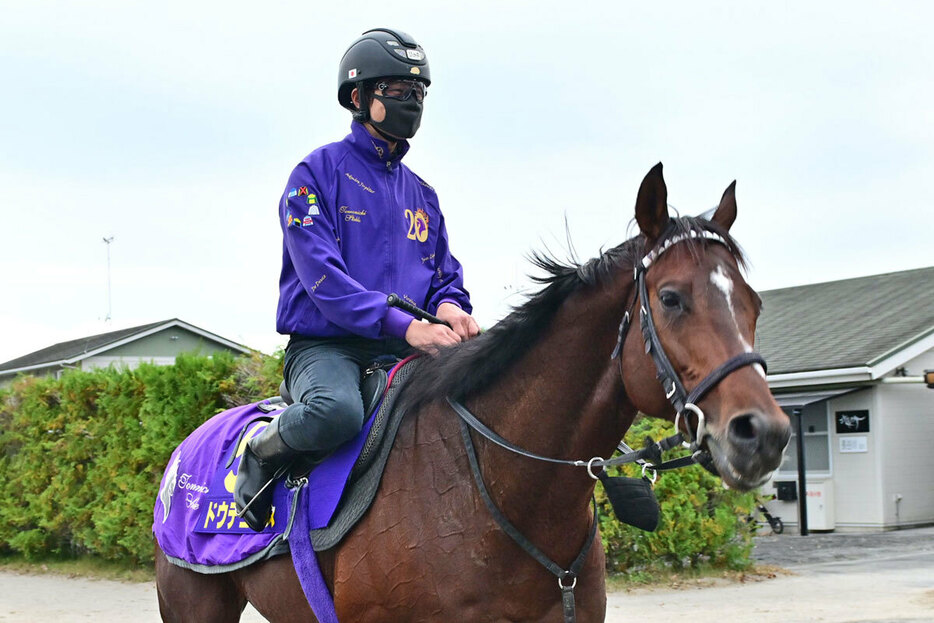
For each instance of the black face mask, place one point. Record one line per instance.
(402, 117)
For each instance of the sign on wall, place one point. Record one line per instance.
(850, 445)
(852, 421)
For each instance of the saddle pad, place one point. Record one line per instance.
(368, 469)
(195, 522)
(194, 519)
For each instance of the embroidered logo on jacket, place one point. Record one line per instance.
(359, 183)
(351, 215)
(298, 221)
(418, 225)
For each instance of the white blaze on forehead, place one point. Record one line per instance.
(722, 281)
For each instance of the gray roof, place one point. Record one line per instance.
(65, 351)
(843, 324)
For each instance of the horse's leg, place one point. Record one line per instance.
(189, 597)
(272, 587)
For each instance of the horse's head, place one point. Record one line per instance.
(704, 315)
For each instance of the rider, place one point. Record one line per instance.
(357, 224)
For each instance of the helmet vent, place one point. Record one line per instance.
(405, 39)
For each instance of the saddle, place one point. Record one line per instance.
(373, 386)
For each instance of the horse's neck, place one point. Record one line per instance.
(563, 399)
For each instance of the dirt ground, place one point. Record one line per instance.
(865, 578)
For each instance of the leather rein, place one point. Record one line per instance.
(650, 457)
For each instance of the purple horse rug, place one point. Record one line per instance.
(195, 521)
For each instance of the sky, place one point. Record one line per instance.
(172, 127)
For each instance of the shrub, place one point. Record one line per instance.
(82, 456)
(700, 520)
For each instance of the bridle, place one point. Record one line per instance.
(650, 457)
(684, 402)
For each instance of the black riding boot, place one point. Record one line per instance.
(263, 456)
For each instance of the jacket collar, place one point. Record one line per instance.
(373, 149)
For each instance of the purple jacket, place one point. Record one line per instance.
(358, 225)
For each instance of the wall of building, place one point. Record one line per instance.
(891, 483)
(854, 499)
(127, 362)
(918, 365)
(857, 483)
(167, 343)
(54, 371)
(160, 348)
(908, 470)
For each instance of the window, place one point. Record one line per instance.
(816, 439)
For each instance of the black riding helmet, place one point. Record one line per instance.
(379, 53)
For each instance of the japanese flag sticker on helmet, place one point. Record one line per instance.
(352, 74)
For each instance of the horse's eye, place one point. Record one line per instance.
(670, 299)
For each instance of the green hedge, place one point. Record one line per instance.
(701, 521)
(81, 458)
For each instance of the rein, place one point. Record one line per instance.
(650, 456)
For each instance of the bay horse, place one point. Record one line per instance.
(561, 376)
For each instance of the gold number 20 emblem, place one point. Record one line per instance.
(418, 225)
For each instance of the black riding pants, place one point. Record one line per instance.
(323, 376)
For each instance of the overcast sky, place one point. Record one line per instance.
(173, 127)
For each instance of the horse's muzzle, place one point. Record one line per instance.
(750, 449)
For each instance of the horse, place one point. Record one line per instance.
(563, 375)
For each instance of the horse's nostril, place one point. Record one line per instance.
(742, 427)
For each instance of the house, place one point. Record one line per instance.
(850, 356)
(158, 343)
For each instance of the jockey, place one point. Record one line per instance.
(357, 224)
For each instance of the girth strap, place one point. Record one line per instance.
(567, 579)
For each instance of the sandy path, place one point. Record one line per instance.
(895, 588)
(884, 586)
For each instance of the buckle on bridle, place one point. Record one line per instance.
(590, 466)
(701, 432)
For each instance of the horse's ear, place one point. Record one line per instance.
(652, 205)
(726, 211)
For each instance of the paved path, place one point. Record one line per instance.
(872, 578)
(841, 578)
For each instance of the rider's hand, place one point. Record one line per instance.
(427, 337)
(461, 322)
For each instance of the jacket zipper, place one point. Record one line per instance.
(391, 229)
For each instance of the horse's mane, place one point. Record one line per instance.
(466, 368)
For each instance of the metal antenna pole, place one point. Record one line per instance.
(107, 241)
